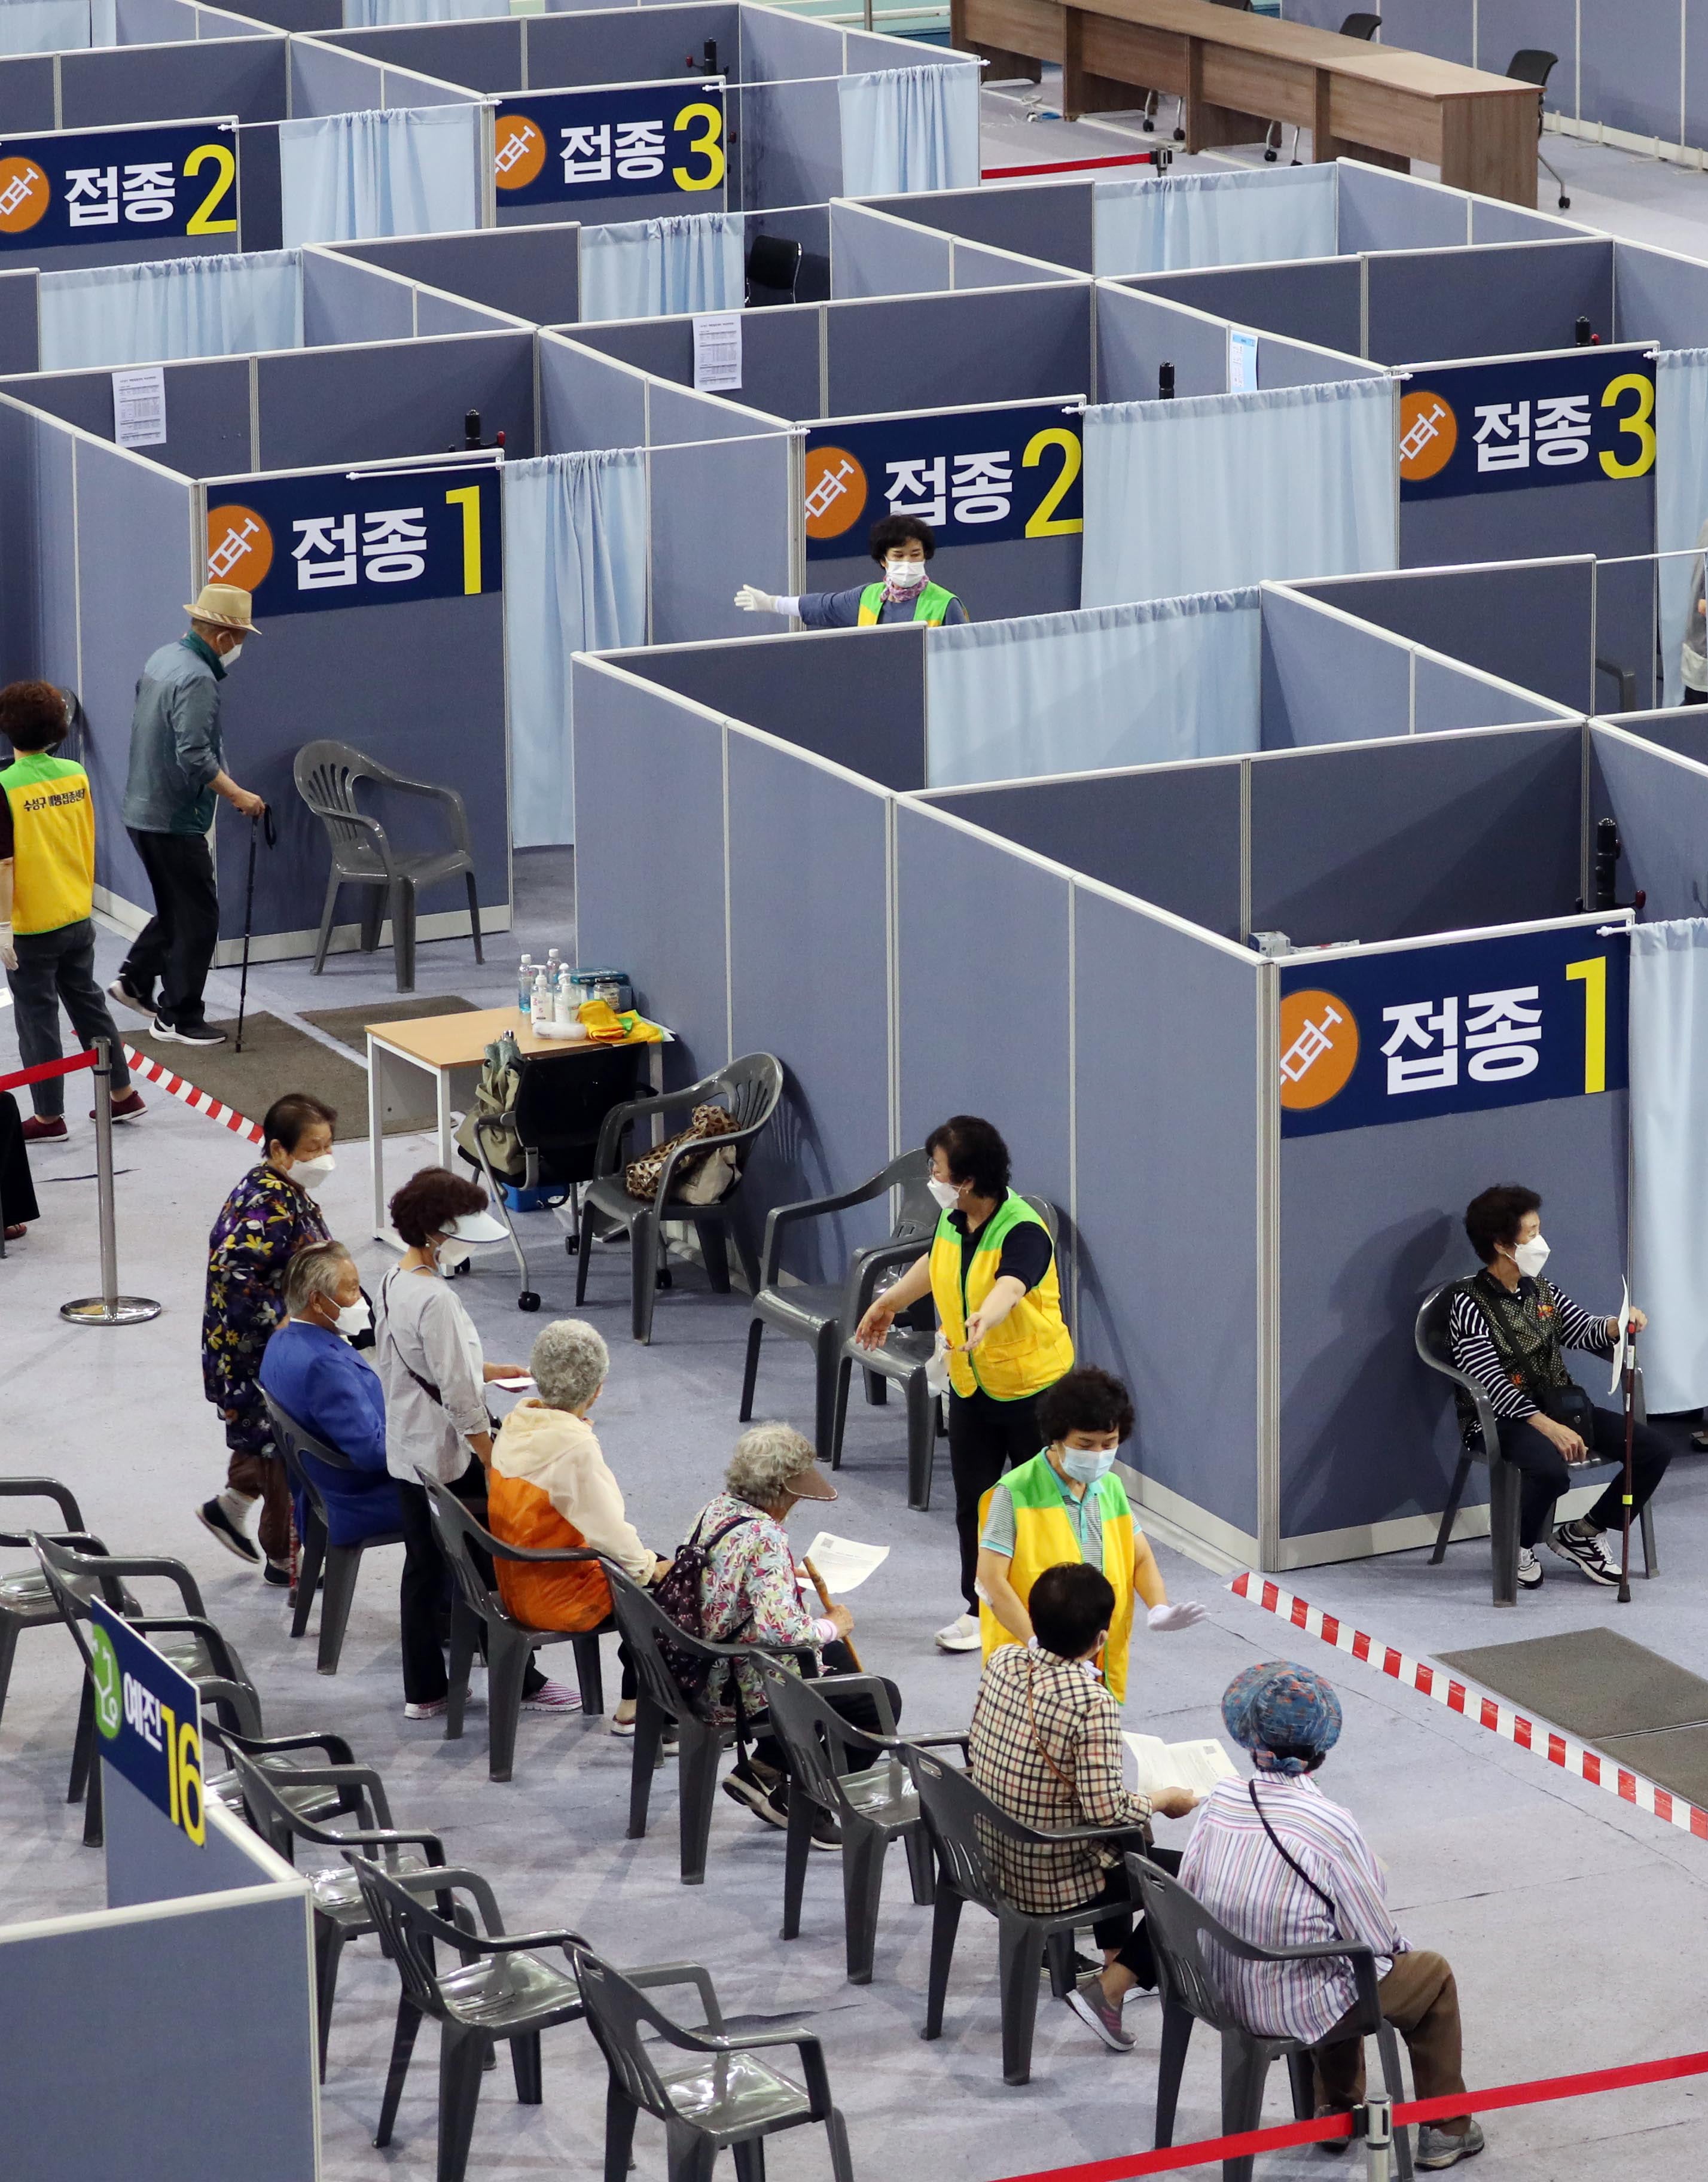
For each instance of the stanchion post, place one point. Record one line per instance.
(1378, 2134)
(109, 1308)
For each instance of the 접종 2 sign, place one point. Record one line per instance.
(106, 186)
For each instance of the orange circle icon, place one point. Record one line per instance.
(239, 546)
(1319, 1048)
(836, 492)
(519, 152)
(24, 195)
(1429, 433)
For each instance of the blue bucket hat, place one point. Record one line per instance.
(1280, 1704)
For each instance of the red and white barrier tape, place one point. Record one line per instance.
(201, 1102)
(1537, 1736)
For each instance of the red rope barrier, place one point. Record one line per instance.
(1537, 2092)
(44, 1069)
(1069, 166)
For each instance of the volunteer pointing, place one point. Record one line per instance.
(901, 545)
(991, 1271)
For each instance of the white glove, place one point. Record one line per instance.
(1186, 1616)
(9, 953)
(751, 600)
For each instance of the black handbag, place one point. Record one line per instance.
(1568, 1405)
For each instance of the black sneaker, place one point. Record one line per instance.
(278, 1574)
(214, 1518)
(1585, 1549)
(826, 1834)
(767, 1797)
(128, 996)
(199, 1033)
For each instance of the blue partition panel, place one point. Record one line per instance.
(1448, 695)
(346, 303)
(528, 271)
(791, 144)
(627, 46)
(1383, 211)
(1006, 345)
(1165, 1121)
(1627, 65)
(1684, 730)
(1442, 27)
(692, 593)
(1369, 1433)
(117, 84)
(587, 402)
(1660, 802)
(1506, 301)
(1695, 72)
(1433, 834)
(962, 897)
(482, 56)
(811, 985)
(206, 411)
(1662, 296)
(397, 399)
(1044, 219)
(149, 1859)
(38, 599)
(1316, 301)
(871, 254)
(27, 102)
(1549, 522)
(653, 897)
(1137, 333)
(1327, 679)
(1506, 27)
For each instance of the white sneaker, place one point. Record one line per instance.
(1529, 1569)
(962, 1635)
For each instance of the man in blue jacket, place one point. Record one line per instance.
(177, 768)
(317, 1379)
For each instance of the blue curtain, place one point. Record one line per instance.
(575, 550)
(45, 26)
(1669, 1156)
(1223, 489)
(1681, 494)
(909, 129)
(1179, 221)
(410, 170)
(176, 306)
(645, 268)
(1078, 692)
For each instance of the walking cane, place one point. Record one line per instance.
(266, 820)
(1630, 1437)
(826, 1600)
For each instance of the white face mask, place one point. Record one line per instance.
(313, 1170)
(947, 1194)
(1530, 1257)
(354, 1318)
(229, 659)
(905, 575)
(451, 1255)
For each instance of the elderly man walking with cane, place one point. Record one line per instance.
(177, 768)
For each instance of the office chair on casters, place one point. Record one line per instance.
(1534, 64)
(773, 264)
(1505, 1482)
(1358, 24)
(1186, 1939)
(328, 775)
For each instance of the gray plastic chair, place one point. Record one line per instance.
(962, 1820)
(274, 1754)
(341, 1913)
(501, 1992)
(341, 1563)
(328, 775)
(1185, 1940)
(509, 1644)
(750, 1089)
(1505, 1482)
(26, 1600)
(813, 1311)
(904, 1355)
(725, 2098)
(191, 1643)
(831, 1769)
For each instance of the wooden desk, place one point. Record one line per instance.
(450, 1049)
(1236, 73)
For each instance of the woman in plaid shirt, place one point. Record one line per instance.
(1045, 1745)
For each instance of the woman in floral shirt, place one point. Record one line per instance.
(750, 1593)
(266, 1218)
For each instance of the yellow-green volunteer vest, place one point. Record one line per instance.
(1044, 1538)
(931, 605)
(1031, 1347)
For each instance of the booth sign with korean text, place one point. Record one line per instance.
(148, 1720)
(82, 186)
(1584, 416)
(647, 140)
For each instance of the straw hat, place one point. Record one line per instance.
(227, 606)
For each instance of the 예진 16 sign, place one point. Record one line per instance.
(106, 186)
(303, 545)
(975, 475)
(148, 1720)
(647, 140)
(1585, 416)
(1402, 1036)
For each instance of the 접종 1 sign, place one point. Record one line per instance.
(634, 141)
(148, 1720)
(145, 183)
(1420, 1031)
(1587, 414)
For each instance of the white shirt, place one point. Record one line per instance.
(421, 1328)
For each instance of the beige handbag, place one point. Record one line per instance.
(698, 1177)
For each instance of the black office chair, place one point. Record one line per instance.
(328, 775)
(1505, 1482)
(1534, 64)
(773, 266)
(341, 1563)
(1186, 1940)
(560, 1103)
(1358, 24)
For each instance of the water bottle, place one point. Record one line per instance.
(524, 988)
(554, 969)
(542, 1000)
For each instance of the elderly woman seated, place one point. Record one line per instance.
(751, 1591)
(549, 1485)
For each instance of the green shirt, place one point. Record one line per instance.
(1085, 1516)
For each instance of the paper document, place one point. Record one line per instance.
(717, 352)
(843, 1562)
(1242, 361)
(139, 407)
(1195, 1765)
(1619, 1345)
(521, 1384)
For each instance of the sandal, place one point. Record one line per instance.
(16, 1232)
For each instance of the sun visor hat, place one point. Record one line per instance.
(478, 1227)
(811, 1484)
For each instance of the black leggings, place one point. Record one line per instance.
(1547, 1473)
(984, 1437)
(423, 1595)
(857, 1706)
(1132, 1948)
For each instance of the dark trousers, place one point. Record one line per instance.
(423, 1593)
(1547, 1473)
(857, 1706)
(1696, 696)
(985, 1436)
(55, 967)
(175, 947)
(264, 1477)
(17, 1190)
(1132, 1947)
